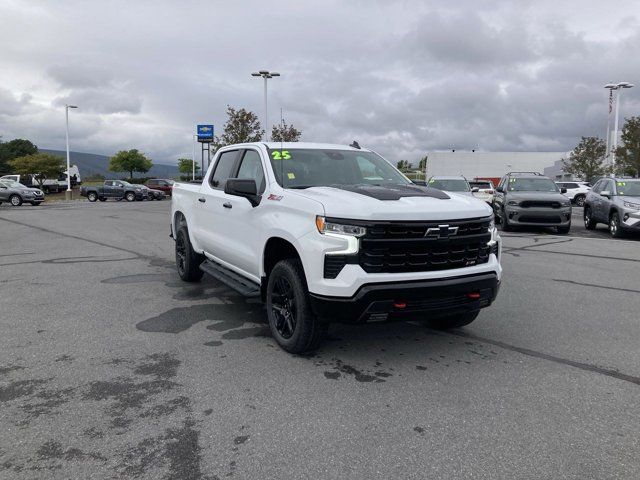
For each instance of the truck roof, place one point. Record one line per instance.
(310, 145)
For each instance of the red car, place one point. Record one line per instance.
(160, 184)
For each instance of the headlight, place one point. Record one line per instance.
(512, 203)
(138, 189)
(632, 206)
(339, 228)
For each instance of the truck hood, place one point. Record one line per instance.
(384, 203)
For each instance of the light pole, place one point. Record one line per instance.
(266, 75)
(619, 88)
(68, 192)
(611, 87)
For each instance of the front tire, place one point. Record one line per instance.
(589, 222)
(614, 226)
(187, 260)
(292, 322)
(504, 221)
(130, 196)
(92, 196)
(455, 321)
(15, 200)
(579, 200)
(563, 230)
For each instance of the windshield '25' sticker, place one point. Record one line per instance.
(281, 155)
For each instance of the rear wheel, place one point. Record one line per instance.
(130, 196)
(102, 199)
(579, 199)
(292, 322)
(614, 226)
(455, 321)
(187, 260)
(92, 196)
(589, 222)
(15, 200)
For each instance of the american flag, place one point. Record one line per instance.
(610, 100)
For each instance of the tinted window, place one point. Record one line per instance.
(570, 185)
(596, 187)
(251, 168)
(223, 169)
(485, 185)
(628, 187)
(518, 184)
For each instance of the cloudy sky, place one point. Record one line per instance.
(401, 77)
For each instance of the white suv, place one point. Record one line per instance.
(325, 233)
(576, 191)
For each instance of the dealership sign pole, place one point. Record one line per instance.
(205, 137)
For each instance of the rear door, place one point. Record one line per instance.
(212, 208)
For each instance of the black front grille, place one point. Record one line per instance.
(540, 204)
(424, 246)
(539, 219)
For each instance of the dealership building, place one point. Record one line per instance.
(493, 165)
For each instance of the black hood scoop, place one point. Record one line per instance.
(394, 192)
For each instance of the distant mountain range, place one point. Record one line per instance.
(92, 164)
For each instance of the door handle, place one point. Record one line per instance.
(227, 205)
(202, 200)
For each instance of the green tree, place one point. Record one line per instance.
(130, 161)
(587, 159)
(185, 165)
(242, 126)
(628, 154)
(403, 165)
(422, 166)
(42, 165)
(285, 133)
(14, 149)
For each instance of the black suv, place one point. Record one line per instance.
(533, 200)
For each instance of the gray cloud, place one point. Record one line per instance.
(401, 77)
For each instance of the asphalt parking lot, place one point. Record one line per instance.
(111, 367)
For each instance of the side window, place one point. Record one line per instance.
(503, 183)
(223, 169)
(607, 186)
(107, 183)
(571, 185)
(251, 168)
(597, 186)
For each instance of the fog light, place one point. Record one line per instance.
(473, 295)
(400, 305)
(626, 217)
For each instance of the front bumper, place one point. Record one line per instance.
(540, 217)
(630, 220)
(406, 300)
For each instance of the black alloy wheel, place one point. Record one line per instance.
(589, 222)
(187, 260)
(283, 306)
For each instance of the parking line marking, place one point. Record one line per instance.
(596, 286)
(552, 358)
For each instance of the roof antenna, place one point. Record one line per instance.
(355, 145)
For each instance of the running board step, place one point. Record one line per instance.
(231, 279)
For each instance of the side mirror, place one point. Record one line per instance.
(563, 190)
(606, 193)
(475, 189)
(500, 189)
(241, 187)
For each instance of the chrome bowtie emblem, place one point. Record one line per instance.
(442, 231)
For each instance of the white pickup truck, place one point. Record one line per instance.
(328, 233)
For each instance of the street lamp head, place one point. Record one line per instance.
(255, 74)
(71, 106)
(625, 85)
(611, 86)
(274, 74)
(263, 72)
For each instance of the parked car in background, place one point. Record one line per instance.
(165, 185)
(30, 181)
(457, 184)
(16, 194)
(485, 190)
(616, 203)
(75, 177)
(576, 191)
(116, 189)
(153, 194)
(531, 199)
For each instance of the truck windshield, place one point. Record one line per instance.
(628, 187)
(305, 168)
(532, 185)
(450, 185)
